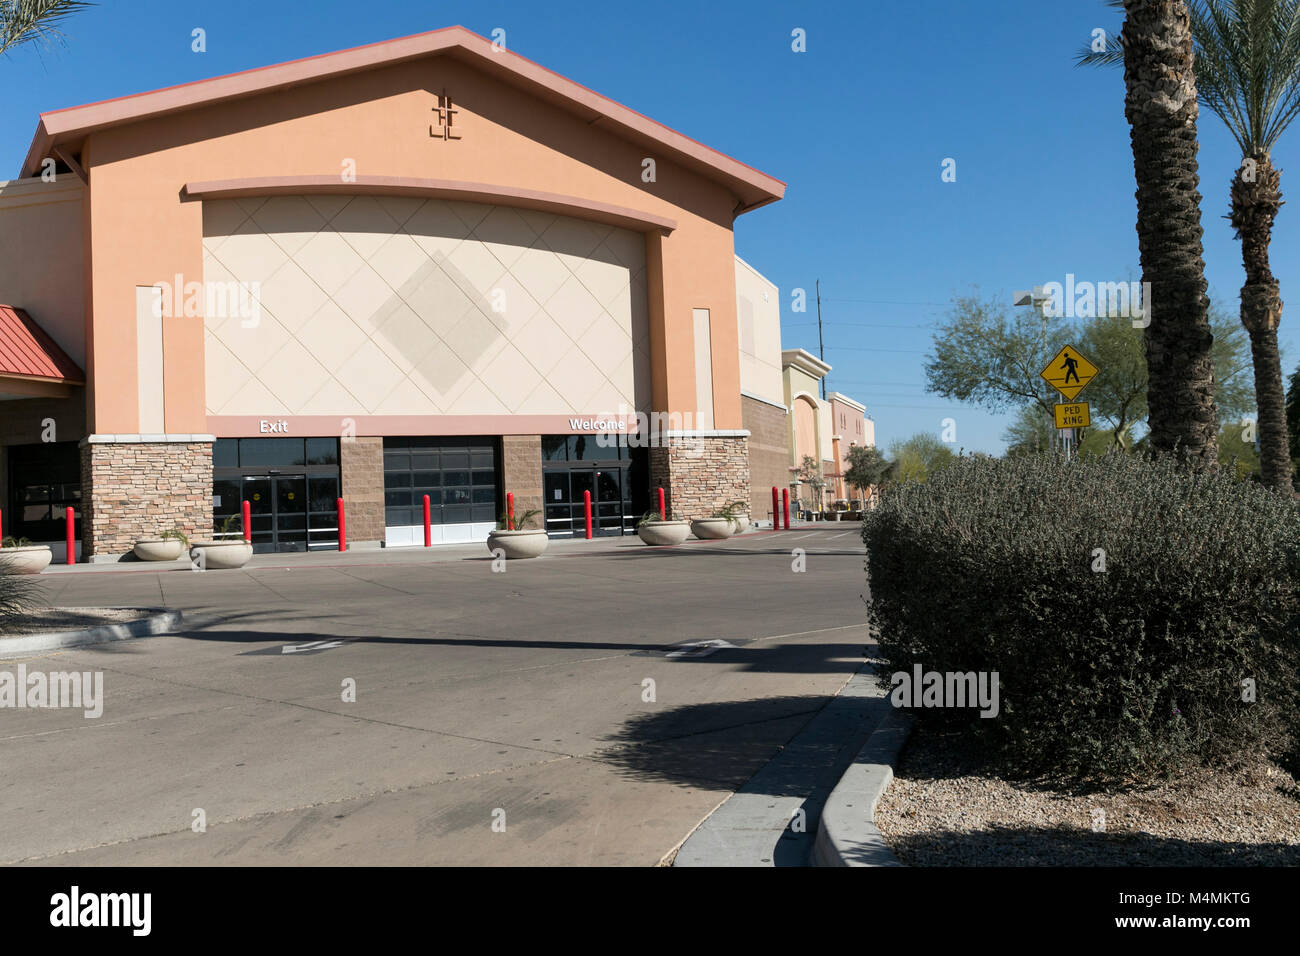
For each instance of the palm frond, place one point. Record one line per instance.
(26, 21)
(1248, 66)
(1112, 55)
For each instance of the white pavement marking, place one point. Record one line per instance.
(312, 646)
(699, 648)
(799, 536)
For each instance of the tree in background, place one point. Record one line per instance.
(919, 457)
(810, 474)
(977, 334)
(26, 21)
(1156, 48)
(1293, 424)
(1031, 432)
(982, 355)
(1239, 452)
(867, 468)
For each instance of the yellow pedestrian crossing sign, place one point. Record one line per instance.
(1073, 415)
(1069, 372)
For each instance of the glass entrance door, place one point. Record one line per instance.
(566, 507)
(278, 507)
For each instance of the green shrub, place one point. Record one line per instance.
(1129, 673)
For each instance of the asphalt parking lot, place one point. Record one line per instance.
(547, 715)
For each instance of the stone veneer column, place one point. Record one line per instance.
(361, 478)
(138, 489)
(521, 475)
(700, 473)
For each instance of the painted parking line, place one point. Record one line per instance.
(311, 647)
(695, 649)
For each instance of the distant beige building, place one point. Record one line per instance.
(850, 427)
(823, 429)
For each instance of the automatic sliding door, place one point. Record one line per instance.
(291, 513)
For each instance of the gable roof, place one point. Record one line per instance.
(27, 351)
(67, 127)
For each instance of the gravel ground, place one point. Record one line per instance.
(67, 619)
(943, 810)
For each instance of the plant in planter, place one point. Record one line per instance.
(166, 547)
(659, 531)
(227, 549)
(523, 541)
(723, 523)
(740, 511)
(20, 556)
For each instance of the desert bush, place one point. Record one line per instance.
(1126, 673)
(19, 595)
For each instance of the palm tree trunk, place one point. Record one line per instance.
(1256, 199)
(1160, 103)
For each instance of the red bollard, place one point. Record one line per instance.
(510, 511)
(663, 514)
(586, 499)
(343, 527)
(428, 524)
(72, 544)
(776, 511)
(247, 511)
(785, 502)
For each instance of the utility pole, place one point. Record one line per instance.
(821, 349)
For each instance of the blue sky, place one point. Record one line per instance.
(858, 126)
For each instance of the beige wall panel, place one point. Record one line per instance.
(378, 305)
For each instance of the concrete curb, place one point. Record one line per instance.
(847, 833)
(752, 827)
(159, 621)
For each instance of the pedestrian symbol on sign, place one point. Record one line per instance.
(1069, 372)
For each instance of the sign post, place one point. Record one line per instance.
(1069, 373)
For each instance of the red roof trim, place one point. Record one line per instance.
(26, 350)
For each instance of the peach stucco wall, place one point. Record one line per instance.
(40, 256)
(143, 231)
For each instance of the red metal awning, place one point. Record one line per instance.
(27, 352)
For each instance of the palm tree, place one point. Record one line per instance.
(23, 21)
(1248, 68)
(1155, 47)
(1248, 74)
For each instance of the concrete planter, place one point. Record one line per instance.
(519, 544)
(712, 528)
(30, 559)
(742, 524)
(157, 549)
(663, 532)
(219, 555)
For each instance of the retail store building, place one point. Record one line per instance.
(427, 266)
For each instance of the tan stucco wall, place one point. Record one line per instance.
(142, 232)
(758, 314)
(40, 256)
(400, 306)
